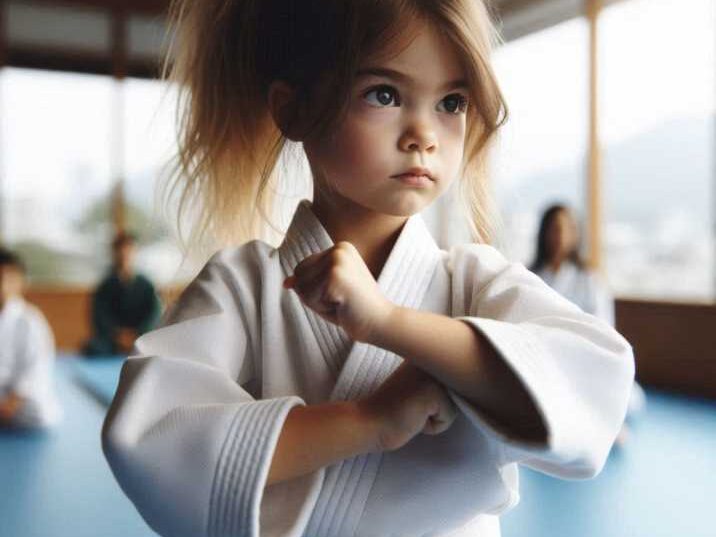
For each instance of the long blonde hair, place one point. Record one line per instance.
(225, 53)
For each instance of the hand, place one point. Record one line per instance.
(9, 407)
(338, 286)
(409, 402)
(125, 339)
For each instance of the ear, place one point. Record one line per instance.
(281, 103)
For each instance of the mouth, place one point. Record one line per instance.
(420, 181)
(415, 173)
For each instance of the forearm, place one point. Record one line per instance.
(462, 359)
(320, 435)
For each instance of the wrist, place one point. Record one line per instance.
(384, 321)
(370, 420)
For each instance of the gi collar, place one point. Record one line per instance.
(403, 280)
(413, 255)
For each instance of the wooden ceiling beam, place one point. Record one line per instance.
(144, 7)
(79, 61)
(3, 37)
(119, 43)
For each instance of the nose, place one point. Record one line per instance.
(418, 136)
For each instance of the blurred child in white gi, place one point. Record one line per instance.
(27, 354)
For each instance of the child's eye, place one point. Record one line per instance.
(381, 96)
(454, 103)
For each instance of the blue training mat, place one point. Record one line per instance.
(100, 376)
(57, 483)
(660, 484)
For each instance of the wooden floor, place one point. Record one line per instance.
(661, 484)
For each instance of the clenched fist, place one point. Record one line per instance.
(338, 286)
(409, 402)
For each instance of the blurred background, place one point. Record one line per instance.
(612, 111)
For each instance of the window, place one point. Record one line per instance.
(150, 141)
(541, 154)
(658, 110)
(56, 173)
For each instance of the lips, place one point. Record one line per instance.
(421, 181)
(416, 172)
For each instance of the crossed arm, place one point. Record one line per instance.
(446, 348)
(462, 359)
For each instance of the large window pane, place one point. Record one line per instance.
(150, 140)
(657, 62)
(56, 177)
(540, 159)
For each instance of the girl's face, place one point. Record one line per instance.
(406, 116)
(561, 235)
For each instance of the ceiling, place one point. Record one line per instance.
(127, 37)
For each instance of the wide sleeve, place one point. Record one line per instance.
(188, 444)
(576, 368)
(33, 378)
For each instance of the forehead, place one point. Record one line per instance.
(563, 218)
(420, 56)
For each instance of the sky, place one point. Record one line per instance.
(657, 62)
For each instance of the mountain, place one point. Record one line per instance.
(668, 169)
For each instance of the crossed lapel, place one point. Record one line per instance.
(404, 280)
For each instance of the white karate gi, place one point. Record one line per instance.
(587, 290)
(192, 429)
(27, 354)
(583, 287)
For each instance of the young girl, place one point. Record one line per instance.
(356, 380)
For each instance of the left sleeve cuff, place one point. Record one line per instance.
(523, 353)
(244, 466)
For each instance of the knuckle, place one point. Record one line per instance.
(338, 254)
(335, 274)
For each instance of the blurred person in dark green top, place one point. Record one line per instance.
(125, 304)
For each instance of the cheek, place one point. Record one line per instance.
(553, 238)
(354, 141)
(572, 239)
(452, 140)
(357, 148)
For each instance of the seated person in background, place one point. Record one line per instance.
(124, 306)
(27, 354)
(559, 264)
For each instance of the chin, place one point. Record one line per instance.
(406, 207)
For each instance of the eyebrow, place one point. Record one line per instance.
(406, 79)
